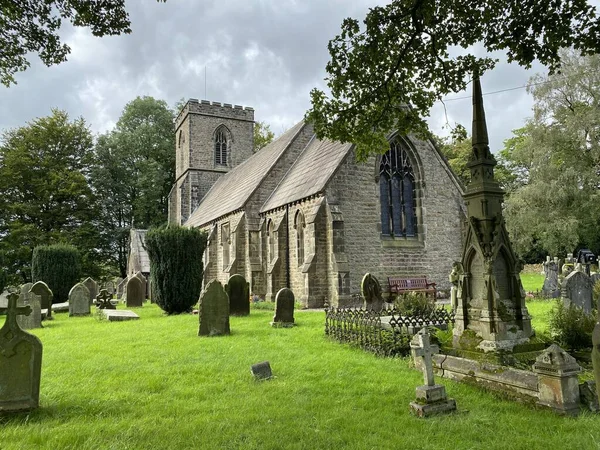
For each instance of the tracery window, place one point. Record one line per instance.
(221, 143)
(397, 193)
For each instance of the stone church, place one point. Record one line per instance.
(302, 212)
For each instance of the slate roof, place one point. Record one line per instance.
(310, 173)
(231, 191)
(141, 260)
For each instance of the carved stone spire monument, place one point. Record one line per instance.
(491, 314)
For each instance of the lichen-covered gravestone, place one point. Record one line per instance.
(20, 362)
(110, 287)
(284, 309)
(92, 287)
(238, 290)
(577, 289)
(42, 290)
(213, 310)
(79, 300)
(135, 293)
(26, 298)
(371, 292)
(103, 300)
(144, 281)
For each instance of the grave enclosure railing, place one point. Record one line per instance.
(386, 332)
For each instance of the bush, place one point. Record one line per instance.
(414, 304)
(57, 265)
(176, 267)
(570, 327)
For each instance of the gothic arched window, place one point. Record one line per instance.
(221, 144)
(397, 193)
(271, 238)
(300, 224)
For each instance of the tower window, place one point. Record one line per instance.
(221, 147)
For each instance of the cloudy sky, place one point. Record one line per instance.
(267, 54)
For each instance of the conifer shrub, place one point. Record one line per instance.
(570, 327)
(57, 265)
(176, 267)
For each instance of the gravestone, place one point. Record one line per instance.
(121, 287)
(103, 300)
(79, 300)
(238, 290)
(42, 290)
(110, 287)
(455, 278)
(26, 298)
(92, 287)
(134, 293)
(20, 362)
(262, 370)
(431, 397)
(213, 310)
(371, 292)
(551, 287)
(284, 309)
(144, 281)
(4, 299)
(119, 315)
(577, 289)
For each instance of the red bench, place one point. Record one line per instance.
(400, 285)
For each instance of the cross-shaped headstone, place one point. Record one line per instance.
(422, 347)
(103, 300)
(10, 335)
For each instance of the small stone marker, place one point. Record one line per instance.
(103, 300)
(26, 298)
(134, 296)
(577, 289)
(42, 290)
(20, 362)
(213, 310)
(262, 371)
(92, 287)
(121, 315)
(79, 300)
(60, 307)
(284, 309)
(431, 398)
(371, 292)
(238, 290)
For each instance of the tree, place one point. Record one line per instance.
(556, 160)
(262, 135)
(133, 174)
(44, 193)
(33, 25)
(387, 74)
(59, 266)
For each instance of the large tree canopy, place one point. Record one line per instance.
(388, 73)
(33, 25)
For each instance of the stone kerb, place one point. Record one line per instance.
(284, 309)
(42, 290)
(213, 310)
(238, 290)
(79, 300)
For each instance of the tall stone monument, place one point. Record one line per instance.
(491, 313)
(20, 362)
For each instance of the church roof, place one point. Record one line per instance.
(139, 260)
(231, 191)
(310, 173)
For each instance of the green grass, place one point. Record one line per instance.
(532, 282)
(154, 384)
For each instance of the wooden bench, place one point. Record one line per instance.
(400, 285)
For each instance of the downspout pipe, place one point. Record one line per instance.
(287, 247)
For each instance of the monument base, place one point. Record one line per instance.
(432, 400)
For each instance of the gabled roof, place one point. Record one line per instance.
(231, 191)
(310, 173)
(141, 261)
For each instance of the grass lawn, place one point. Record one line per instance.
(154, 384)
(532, 282)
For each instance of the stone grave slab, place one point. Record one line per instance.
(284, 309)
(238, 290)
(60, 307)
(213, 310)
(20, 362)
(79, 300)
(119, 315)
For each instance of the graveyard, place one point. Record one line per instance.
(153, 383)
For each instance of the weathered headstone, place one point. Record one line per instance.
(284, 309)
(144, 281)
(110, 287)
(92, 287)
(371, 292)
(551, 288)
(262, 370)
(42, 290)
(577, 289)
(238, 290)
(121, 287)
(103, 300)
(79, 300)
(26, 298)
(213, 310)
(135, 293)
(431, 397)
(20, 362)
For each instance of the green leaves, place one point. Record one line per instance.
(387, 73)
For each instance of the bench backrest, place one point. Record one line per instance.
(408, 283)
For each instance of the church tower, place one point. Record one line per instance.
(210, 139)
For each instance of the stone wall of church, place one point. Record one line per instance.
(356, 192)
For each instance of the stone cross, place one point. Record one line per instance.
(103, 300)
(422, 347)
(12, 312)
